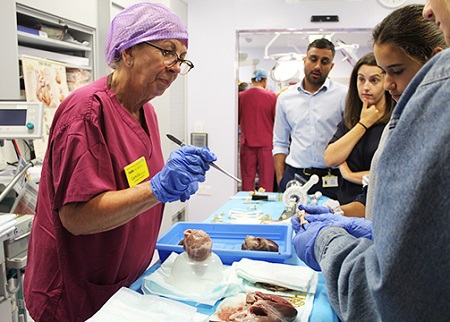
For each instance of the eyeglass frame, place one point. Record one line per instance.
(165, 52)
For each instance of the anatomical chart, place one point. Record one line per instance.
(45, 81)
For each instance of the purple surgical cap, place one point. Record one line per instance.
(141, 22)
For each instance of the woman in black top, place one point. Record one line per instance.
(367, 110)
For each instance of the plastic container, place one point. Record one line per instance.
(198, 277)
(228, 238)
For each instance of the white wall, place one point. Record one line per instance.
(211, 95)
(212, 92)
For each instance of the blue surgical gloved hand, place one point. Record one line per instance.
(179, 178)
(295, 223)
(357, 227)
(304, 242)
(193, 187)
(309, 209)
(314, 209)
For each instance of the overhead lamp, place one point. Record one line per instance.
(285, 69)
(348, 51)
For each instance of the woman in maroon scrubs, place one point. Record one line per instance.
(103, 181)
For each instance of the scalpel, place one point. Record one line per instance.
(180, 143)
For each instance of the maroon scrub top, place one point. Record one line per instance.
(256, 116)
(92, 139)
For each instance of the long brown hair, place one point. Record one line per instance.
(406, 29)
(353, 103)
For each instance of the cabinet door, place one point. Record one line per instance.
(49, 37)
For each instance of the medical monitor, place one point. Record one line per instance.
(21, 120)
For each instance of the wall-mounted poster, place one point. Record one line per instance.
(45, 81)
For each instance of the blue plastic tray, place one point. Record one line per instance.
(228, 238)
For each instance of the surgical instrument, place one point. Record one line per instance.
(180, 143)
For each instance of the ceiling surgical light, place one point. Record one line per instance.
(348, 51)
(287, 67)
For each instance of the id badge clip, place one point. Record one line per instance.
(330, 181)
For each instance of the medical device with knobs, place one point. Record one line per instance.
(298, 192)
(315, 198)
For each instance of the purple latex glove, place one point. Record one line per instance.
(314, 209)
(193, 187)
(179, 178)
(309, 209)
(304, 242)
(357, 227)
(295, 223)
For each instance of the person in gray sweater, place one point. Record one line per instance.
(398, 269)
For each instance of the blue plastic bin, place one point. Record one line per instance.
(228, 238)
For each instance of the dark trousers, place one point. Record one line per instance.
(303, 175)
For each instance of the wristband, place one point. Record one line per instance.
(363, 126)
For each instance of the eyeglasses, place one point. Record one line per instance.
(171, 58)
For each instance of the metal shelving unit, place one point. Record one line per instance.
(15, 14)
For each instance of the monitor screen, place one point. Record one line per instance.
(21, 120)
(13, 117)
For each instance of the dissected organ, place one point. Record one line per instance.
(259, 243)
(230, 306)
(197, 244)
(272, 287)
(259, 307)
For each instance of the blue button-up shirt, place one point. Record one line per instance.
(310, 120)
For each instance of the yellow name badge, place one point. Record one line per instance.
(137, 171)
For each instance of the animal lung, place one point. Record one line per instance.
(259, 243)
